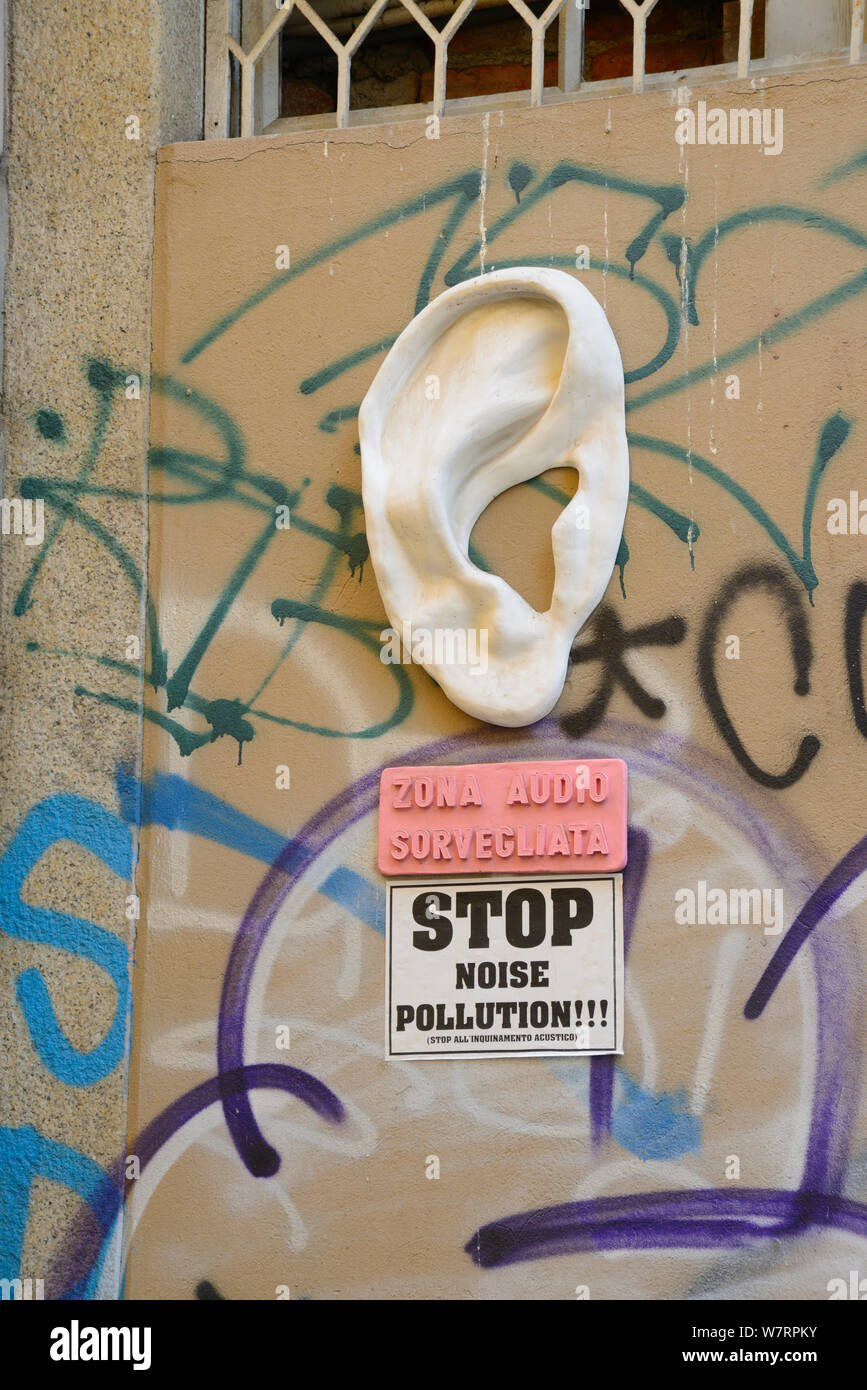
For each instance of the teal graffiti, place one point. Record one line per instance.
(196, 717)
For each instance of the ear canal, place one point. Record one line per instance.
(496, 380)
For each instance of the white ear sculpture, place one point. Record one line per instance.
(496, 380)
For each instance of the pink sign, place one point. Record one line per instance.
(537, 817)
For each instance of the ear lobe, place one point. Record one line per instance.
(495, 381)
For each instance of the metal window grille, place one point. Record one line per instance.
(249, 33)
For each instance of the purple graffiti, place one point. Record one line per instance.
(602, 1068)
(84, 1244)
(712, 1218)
(718, 1218)
(699, 1219)
(838, 1061)
(841, 877)
(336, 817)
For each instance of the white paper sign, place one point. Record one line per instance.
(505, 967)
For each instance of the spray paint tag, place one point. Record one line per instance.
(562, 817)
(505, 967)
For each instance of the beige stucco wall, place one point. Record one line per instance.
(256, 381)
(728, 537)
(76, 323)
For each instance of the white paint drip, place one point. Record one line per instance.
(639, 1018)
(730, 952)
(483, 191)
(714, 330)
(605, 251)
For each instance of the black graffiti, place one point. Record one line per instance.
(777, 582)
(609, 644)
(206, 1292)
(853, 642)
(610, 641)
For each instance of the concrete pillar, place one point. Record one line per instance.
(92, 93)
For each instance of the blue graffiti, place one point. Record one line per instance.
(25, 1154)
(654, 1126)
(177, 804)
(85, 823)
